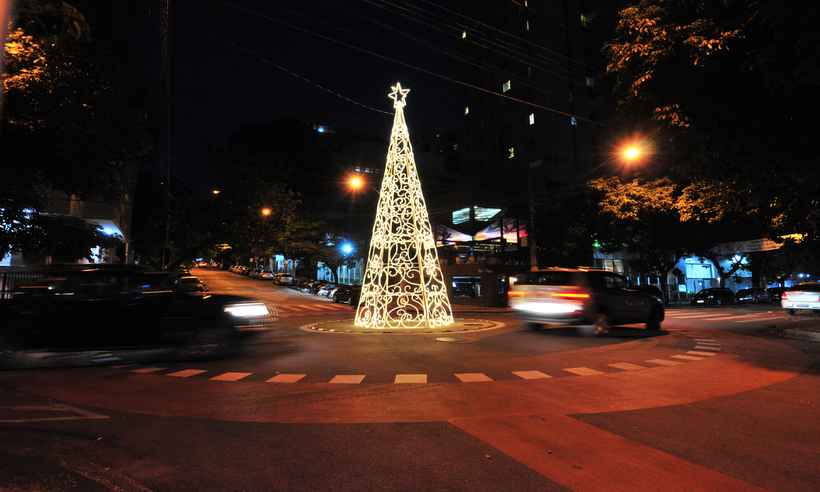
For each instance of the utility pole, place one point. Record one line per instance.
(165, 34)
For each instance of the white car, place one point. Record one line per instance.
(267, 275)
(802, 297)
(283, 279)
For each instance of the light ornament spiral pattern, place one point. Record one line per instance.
(403, 286)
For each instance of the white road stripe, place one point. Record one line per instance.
(583, 371)
(186, 373)
(531, 375)
(347, 379)
(231, 376)
(698, 352)
(626, 366)
(472, 377)
(147, 370)
(286, 378)
(663, 362)
(761, 319)
(410, 379)
(687, 357)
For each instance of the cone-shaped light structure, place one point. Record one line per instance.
(403, 286)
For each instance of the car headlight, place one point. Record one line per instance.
(247, 310)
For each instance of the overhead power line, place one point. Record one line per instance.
(319, 86)
(477, 38)
(405, 64)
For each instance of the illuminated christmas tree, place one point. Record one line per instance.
(403, 286)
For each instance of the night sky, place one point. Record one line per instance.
(222, 80)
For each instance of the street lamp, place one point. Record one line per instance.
(355, 182)
(215, 192)
(347, 248)
(634, 151)
(266, 211)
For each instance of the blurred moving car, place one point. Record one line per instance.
(266, 275)
(314, 286)
(191, 283)
(803, 297)
(775, 293)
(582, 297)
(325, 290)
(714, 296)
(347, 294)
(107, 305)
(284, 279)
(651, 290)
(751, 296)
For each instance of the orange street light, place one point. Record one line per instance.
(355, 182)
(215, 191)
(266, 211)
(631, 153)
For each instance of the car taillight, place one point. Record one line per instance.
(784, 296)
(516, 293)
(571, 295)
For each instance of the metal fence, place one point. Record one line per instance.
(10, 279)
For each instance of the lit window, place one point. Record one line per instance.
(584, 20)
(463, 34)
(532, 118)
(466, 110)
(526, 4)
(590, 82)
(511, 153)
(461, 215)
(506, 86)
(527, 24)
(573, 121)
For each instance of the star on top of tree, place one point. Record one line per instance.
(397, 95)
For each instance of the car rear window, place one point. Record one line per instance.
(546, 278)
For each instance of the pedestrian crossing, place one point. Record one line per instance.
(310, 309)
(729, 316)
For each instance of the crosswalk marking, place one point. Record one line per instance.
(626, 366)
(147, 370)
(347, 379)
(286, 378)
(583, 371)
(231, 376)
(472, 377)
(687, 357)
(663, 362)
(410, 379)
(531, 375)
(186, 373)
(708, 347)
(698, 352)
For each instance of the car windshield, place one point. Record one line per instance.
(813, 287)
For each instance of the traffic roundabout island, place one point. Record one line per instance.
(347, 327)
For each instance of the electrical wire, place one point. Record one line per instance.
(479, 41)
(507, 33)
(405, 64)
(319, 86)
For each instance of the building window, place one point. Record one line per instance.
(532, 118)
(527, 24)
(466, 110)
(590, 81)
(510, 152)
(584, 20)
(573, 121)
(506, 86)
(463, 34)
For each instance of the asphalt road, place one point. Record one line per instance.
(715, 401)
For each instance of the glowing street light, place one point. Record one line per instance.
(215, 191)
(633, 152)
(266, 211)
(355, 182)
(347, 248)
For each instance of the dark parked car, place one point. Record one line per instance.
(348, 294)
(752, 296)
(714, 296)
(191, 283)
(104, 305)
(775, 293)
(585, 297)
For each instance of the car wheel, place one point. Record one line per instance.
(533, 326)
(601, 324)
(654, 322)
